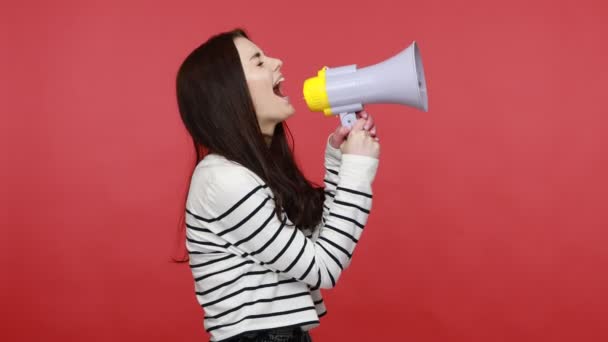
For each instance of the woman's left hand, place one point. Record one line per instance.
(341, 133)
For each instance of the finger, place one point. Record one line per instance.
(340, 129)
(358, 126)
(337, 130)
(370, 122)
(362, 114)
(339, 136)
(344, 130)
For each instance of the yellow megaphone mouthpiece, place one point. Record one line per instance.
(315, 93)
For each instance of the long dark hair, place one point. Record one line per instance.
(218, 112)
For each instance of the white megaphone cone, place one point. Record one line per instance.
(345, 90)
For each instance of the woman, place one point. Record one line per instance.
(261, 239)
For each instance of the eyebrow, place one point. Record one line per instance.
(257, 54)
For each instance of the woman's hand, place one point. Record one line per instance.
(360, 141)
(341, 133)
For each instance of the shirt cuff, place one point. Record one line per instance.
(358, 169)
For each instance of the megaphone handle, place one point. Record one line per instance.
(348, 119)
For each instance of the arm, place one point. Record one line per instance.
(239, 208)
(333, 159)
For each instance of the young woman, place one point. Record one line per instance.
(262, 241)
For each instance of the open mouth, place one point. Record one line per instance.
(277, 89)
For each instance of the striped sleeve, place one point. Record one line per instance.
(332, 162)
(240, 209)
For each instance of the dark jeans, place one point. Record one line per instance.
(286, 334)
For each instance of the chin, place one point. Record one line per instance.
(291, 111)
(284, 114)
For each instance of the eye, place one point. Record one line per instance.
(260, 63)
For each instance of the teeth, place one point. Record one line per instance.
(279, 81)
(277, 88)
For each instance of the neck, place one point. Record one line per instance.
(268, 132)
(267, 139)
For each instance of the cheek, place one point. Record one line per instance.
(256, 87)
(261, 90)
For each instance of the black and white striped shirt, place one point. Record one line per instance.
(253, 271)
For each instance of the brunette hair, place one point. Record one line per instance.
(217, 110)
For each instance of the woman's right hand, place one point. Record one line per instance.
(359, 141)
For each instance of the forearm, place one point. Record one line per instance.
(333, 160)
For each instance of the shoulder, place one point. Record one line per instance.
(217, 178)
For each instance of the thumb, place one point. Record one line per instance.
(339, 136)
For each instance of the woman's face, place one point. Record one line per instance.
(264, 78)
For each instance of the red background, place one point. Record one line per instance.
(490, 213)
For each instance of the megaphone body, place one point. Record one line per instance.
(345, 90)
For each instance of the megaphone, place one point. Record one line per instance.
(344, 90)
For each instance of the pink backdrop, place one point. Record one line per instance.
(490, 212)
